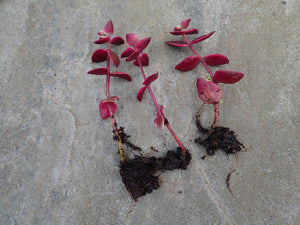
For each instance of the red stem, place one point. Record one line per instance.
(195, 51)
(216, 116)
(113, 120)
(159, 111)
(108, 72)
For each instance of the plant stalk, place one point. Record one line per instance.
(202, 61)
(183, 149)
(216, 116)
(113, 120)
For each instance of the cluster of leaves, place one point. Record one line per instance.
(135, 53)
(108, 106)
(208, 89)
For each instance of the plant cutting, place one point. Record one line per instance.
(138, 174)
(108, 106)
(209, 91)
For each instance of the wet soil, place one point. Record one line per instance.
(140, 173)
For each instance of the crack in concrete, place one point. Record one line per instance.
(130, 213)
(76, 124)
(213, 195)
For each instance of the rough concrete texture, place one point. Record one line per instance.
(58, 162)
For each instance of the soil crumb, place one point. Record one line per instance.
(139, 174)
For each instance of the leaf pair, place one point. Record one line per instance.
(100, 55)
(108, 107)
(146, 82)
(191, 62)
(135, 51)
(184, 43)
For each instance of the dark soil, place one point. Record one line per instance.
(220, 138)
(140, 173)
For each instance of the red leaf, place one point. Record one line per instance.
(133, 56)
(109, 28)
(188, 63)
(131, 39)
(108, 107)
(227, 77)
(99, 55)
(202, 38)
(185, 23)
(208, 91)
(144, 60)
(114, 57)
(121, 75)
(142, 44)
(140, 93)
(127, 52)
(180, 32)
(216, 59)
(102, 40)
(159, 121)
(98, 71)
(150, 79)
(117, 40)
(177, 43)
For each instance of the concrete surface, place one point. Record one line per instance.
(58, 162)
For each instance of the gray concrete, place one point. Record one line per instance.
(58, 162)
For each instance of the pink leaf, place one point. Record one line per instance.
(177, 43)
(208, 91)
(227, 77)
(131, 39)
(159, 121)
(188, 63)
(114, 57)
(98, 71)
(117, 40)
(121, 75)
(109, 28)
(99, 55)
(144, 60)
(141, 93)
(142, 44)
(107, 108)
(202, 38)
(216, 59)
(102, 40)
(185, 23)
(150, 79)
(127, 52)
(180, 32)
(133, 56)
